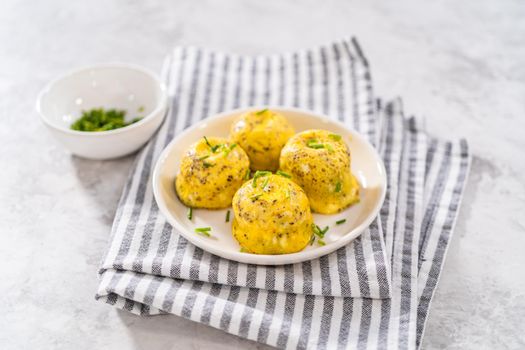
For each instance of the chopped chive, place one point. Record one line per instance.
(321, 242)
(247, 175)
(335, 137)
(213, 148)
(284, 174)
(228, 216)
(207, 165)
(207, 142)
(265, 183)
(190, 213)
(338, 187)
(204, 157)
(258, 174)
(229, 149)
(318, 232)
(261, 111)
(204, 230)
(312, 239)
(141, 109)
(255, 196)
(339, 222)
(314, 144)
(329, 148)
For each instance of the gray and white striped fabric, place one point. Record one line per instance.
(345, 308)
(333, 80)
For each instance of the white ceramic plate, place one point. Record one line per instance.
(366, 165)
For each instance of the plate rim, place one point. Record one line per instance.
(265, 259)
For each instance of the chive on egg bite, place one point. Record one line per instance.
(262, 134)
(211, 171)
(319, 161)
(271, 215)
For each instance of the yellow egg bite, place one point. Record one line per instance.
(211, 171)
(262, 134)
(319, 161)
(271, 215)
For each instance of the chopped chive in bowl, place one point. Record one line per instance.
(100, 119)
(339, 222)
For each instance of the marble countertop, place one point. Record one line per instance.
(459, 64)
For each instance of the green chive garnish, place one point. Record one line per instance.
(314, 144)
(321, 242)
(256, 196)
(207, 165)
(247, 175)
(335, 137)
(213, 148)
(227, 150)
(318, 232)
(261, 111)
(190, 213)
(228, 216)
(258, 174)
(312, 239)
(265, 183)
(339, 222)
(282, 173)
(329, 148)
(203, 230)
(338, 187)
(204, 157)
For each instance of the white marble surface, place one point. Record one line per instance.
(459, 64)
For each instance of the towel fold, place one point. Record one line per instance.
(373, 293)
(332, 80)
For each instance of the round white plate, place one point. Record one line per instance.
(367, 166)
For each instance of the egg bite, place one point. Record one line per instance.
(262, 134)
(271, 215)
(211, 171)
(319, 161)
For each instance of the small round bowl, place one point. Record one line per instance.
(110, 86)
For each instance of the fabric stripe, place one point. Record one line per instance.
(204, 82)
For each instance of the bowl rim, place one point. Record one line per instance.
(161, 105)
(265, 259)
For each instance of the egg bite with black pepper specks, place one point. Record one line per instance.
(319, 161)
(262, 134)
(210, 173)
(271, 215)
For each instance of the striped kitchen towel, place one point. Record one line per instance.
(333, 80)
(426, 178)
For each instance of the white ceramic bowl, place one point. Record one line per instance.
(115, 85)
(366, 165)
